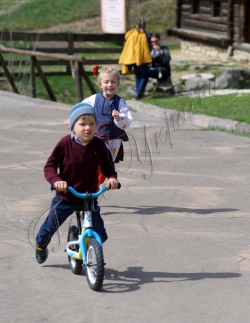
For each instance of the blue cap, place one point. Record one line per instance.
(79, 110)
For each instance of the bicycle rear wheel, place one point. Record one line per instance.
(75, 264)
(95, 265)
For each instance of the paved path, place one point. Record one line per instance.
(178, 247)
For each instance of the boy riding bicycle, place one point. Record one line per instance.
(78, 157)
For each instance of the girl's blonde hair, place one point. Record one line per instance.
(107, 70)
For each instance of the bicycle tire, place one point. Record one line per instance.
(74, 264)
(95, 265)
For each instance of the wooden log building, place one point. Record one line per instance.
(216, 23)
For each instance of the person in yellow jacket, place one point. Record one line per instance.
(136, 53)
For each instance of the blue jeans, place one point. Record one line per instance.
(60, 210)
(141, 78)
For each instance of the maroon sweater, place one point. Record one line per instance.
(78, 166)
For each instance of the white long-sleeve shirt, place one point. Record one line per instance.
(124, 112)
(123, 123)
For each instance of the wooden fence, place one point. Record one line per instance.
(52, 46)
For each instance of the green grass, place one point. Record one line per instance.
(230, 106)
(159, 14)
(38, 14)
(64, 88)
(4, 4)
(174, 47)
(232, 132)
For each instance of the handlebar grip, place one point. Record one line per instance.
(118, 187)
(52, 187)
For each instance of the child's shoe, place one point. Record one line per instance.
(41, 254)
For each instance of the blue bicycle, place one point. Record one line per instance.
(84, 245)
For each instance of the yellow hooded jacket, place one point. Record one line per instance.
(135, 51)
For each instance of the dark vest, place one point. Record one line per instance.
(106, 128)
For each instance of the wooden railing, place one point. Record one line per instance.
(70, 44)
(79, 71)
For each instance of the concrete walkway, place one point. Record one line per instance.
(178, 248)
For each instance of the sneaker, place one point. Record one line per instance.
(132, 90)
(41, 254)
(138, 97)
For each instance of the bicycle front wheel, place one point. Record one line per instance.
(95, 265)
(75, 264)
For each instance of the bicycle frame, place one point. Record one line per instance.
(84, 250)
(86, 227)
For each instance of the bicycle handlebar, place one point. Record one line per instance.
(102, 189)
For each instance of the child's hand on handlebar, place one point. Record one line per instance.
(61, 186)
(112, 184)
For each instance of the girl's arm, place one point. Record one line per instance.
(90, 100)
(125, 116)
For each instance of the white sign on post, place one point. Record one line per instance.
(113, 14)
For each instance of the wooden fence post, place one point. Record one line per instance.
(32, 77)
(44, 80)
(86, 78)
(70, 52)
(8, 75)
(78, 82)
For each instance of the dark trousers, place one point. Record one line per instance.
(60, 210)
(141, 78)
(153, 72)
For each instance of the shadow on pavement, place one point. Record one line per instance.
(131, 279)
(147, 210)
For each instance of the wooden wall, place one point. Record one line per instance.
(204, 21)
(242, 21)
(236, 16)
(221, 22)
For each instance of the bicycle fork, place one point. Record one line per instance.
(85, 232)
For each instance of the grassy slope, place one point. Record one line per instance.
(232, 106)
(51, 13)
(36, 14)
